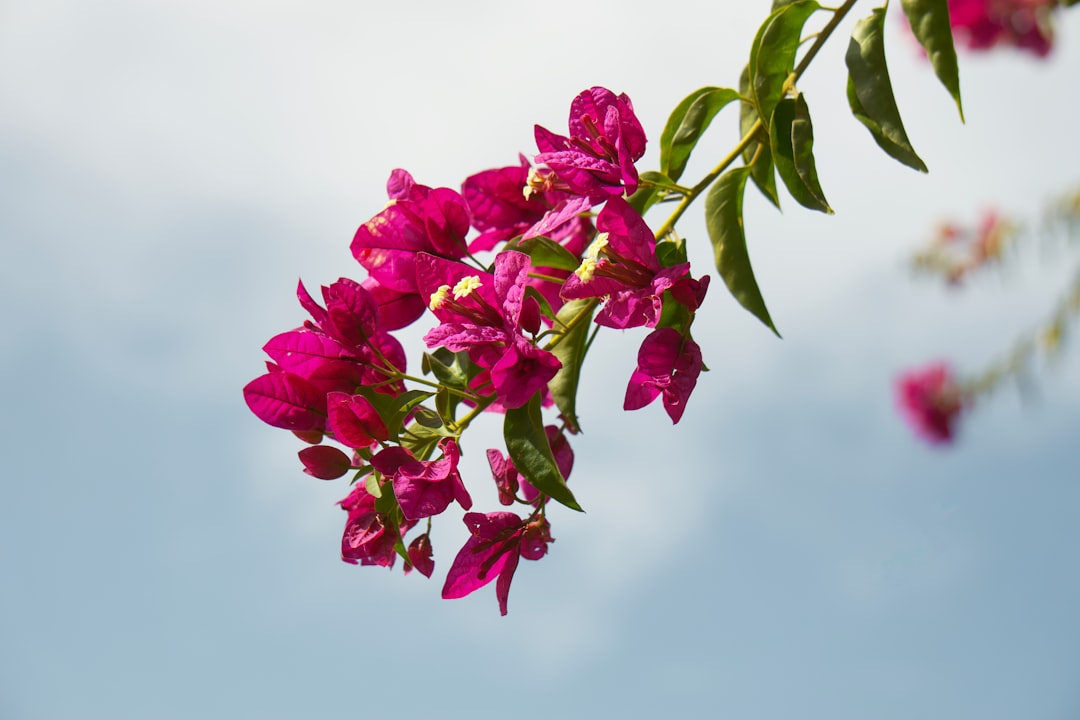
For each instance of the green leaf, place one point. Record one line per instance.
(371, 484)
(687, 124)
(422, 441)
(757, 153)
(929, 20)
(527, 444)
(723, 218)
(450, 369)
(545, 252)
(870, 93)
(772, 56)
(571, 353)
(428, 417)
(446, 406)
(793, 151)
(670, 253)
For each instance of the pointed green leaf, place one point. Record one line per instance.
(421, 441)
(793, 151)
(687, 124)
(371, 484)
(757, 152)
(545, 252)
(772, 56)
(571, 353)
(527, 444)
(428, 417)
(723, 218)
(870, 91)
(929, 20)
(652, 188)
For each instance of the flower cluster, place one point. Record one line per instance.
(565, 248)
(957, 252)
(984, 24)
(931, 400)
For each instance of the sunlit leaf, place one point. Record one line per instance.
(687, 124)
(545, 252)
(870, 93)
(793, 152)
(757, 153)
(723, 218)
(527, 445)
(571, 353)
(929, 20)
(772, 55)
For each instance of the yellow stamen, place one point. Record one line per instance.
(465, 286)
(586, 270)
(438, 298)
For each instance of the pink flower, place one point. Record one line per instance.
(668, 365)
(606, 139)
(420, 555)
(983, 24)
(931, 400)
(424, 487)
(339, 350)
(487, 315)
(622, 265)
(417, 219)
(369, 536)
(499, 540)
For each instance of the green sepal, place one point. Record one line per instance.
(772, 56)
(870, 92)
(757, 153)
(450, 369)
(792, 139)
(527, 445)
(545, 252)
(723, 218)
(571, 353)
(671, 252)
(687, 124)
(929, 21)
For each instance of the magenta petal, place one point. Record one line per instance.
(640, 392)
(521, 371)
(506, 576)
(351, 311)
(628, 233)
(561, 214)
(324, 462)
(419, 498)
(304, 352)
(396, 309)
(354, 421)
(318, 314)
(286, 401)
(511, 273)
(420, 555)
(484, 554)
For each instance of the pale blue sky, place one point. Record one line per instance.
(168, 170)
